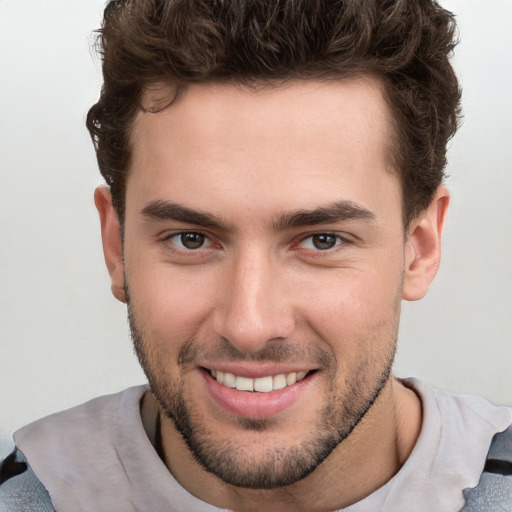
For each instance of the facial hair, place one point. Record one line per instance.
(280, 465)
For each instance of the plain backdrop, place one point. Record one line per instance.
(64, 339)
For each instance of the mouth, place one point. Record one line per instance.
(265, 384)
(264, 394)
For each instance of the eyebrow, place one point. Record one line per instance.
(335, 212)
(162, 210)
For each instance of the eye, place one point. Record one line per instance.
(321, 241)
(189, 240)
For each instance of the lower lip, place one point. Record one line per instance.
(255, 405)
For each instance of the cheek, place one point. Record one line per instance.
(352, 308)
(170, 306)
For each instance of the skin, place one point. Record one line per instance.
(260, 293)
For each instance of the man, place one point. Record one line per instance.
(274, 176)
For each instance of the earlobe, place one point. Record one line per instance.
(112, 242)
(423, 247)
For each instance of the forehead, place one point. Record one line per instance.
(283, 142)
(216, 111)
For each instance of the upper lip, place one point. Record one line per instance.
(256, 370)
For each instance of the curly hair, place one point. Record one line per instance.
(406, 44)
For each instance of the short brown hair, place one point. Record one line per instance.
(404, 43)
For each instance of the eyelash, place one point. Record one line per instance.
(339, 241)
(175, 246)
(168, 240)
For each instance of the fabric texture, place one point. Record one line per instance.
(494, 491)
(20, 490)
(448, 457)
(98, 457)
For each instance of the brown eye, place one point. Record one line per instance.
(324, 241)
(192, 240)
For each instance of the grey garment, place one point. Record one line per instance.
(23, 492)
(98, 457)
(494, 491)
(448, 457)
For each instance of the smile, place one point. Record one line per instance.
(265, 384)
(256, 392)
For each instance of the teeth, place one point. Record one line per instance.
(279, 381)
(229, 380)
(291, 378)
(244, 384)
(261, 384)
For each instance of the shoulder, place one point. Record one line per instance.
(494, 491)
(474, 434)
(77, 449)
(462, 412)
(20, 490)
(73, 425)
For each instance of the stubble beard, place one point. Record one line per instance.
(278, 466)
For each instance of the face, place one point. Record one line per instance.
(263, 259)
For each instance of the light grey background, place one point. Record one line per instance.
(64, 339)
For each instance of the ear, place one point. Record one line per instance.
(423, 247)
(111, 238)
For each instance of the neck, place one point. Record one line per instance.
(372, 454)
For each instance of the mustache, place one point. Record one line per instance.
(221, 350)
(273, 352)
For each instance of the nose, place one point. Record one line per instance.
(254, 306)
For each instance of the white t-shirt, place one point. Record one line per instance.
(97, 457)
